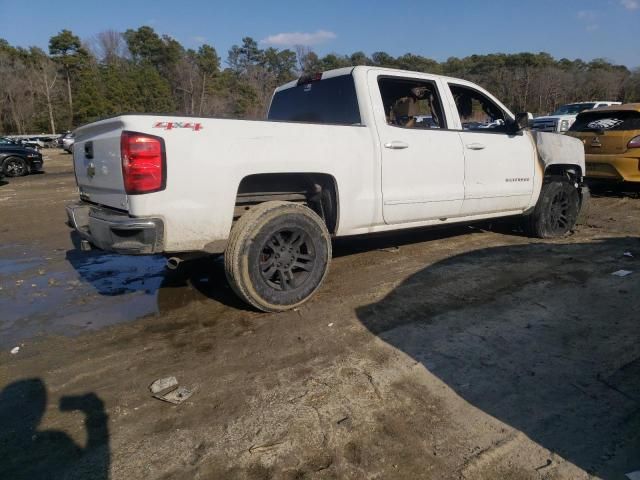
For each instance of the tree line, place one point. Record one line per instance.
(76, 81)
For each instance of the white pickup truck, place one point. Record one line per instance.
(345, 152)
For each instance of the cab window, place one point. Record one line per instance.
(478, 112)
(411, 103)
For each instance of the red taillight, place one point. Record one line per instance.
(143, 163)
(634, 142)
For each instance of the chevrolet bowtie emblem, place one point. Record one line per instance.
(91, 170)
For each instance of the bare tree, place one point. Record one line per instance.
(109, 46)
(47, 73)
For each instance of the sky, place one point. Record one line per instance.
(441, 29)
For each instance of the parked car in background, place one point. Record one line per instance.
(67, 142)
(17, 160)
(561, 120)
(28, 143)
(33, 142)
(43, 141)
(611, 138)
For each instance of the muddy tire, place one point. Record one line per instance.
(556, 212)
(277, 256)
(15, 167)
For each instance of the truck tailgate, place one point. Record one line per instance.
(98, 165)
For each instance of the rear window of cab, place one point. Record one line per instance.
(331, 101)
(622, 120)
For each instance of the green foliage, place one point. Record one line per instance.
(67, 48)
(208, 60)
(242, 58)
(147, 47)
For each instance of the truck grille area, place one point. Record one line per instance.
(545, 125)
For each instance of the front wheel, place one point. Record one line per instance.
(556, 212)
(277, 256)
(15, 167)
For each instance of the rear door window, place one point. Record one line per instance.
(411, 103)
(607, 121)
(331, 101)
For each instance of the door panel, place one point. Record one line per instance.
(422, 166)
(425, 180)
(498, 176)
(498, 164)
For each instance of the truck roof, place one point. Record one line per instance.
(349, 70)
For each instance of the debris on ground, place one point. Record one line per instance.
(167, 390)
(163, 384)
(622, 273)
(176, 396)
(627, 254)
(15, 350)
(390, 249)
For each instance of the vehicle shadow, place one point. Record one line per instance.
(112, 274)
(204, 278)
(345, 246)
(29, 453)
(199, 279)
(614, 189)
(541, 337)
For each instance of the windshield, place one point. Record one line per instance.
(573, 108)
(331, 101)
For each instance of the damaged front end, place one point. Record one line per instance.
(562, 156)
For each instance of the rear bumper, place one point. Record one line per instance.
(613, 167)
(115, 231)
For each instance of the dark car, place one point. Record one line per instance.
(16, 160)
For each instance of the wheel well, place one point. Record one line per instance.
(316, 190)
(569, 172)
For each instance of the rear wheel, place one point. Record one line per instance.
(277, 256)
(557, 210)
(15, 167)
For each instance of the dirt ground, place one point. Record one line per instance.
(471, 352)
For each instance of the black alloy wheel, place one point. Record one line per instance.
(278, 255)
(287, 259)
(559, 213)
(15, 167)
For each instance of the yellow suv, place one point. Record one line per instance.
(611, 137)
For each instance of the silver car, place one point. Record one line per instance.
(68, 141)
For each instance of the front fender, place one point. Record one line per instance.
(554, 149)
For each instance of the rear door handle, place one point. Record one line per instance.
(476, 146)
(396, 145)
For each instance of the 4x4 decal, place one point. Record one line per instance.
(171, 125)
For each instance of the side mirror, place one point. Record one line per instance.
(523, 120)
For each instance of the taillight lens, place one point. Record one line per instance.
(634, 142)
(143, 163)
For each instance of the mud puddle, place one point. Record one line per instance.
(71, 292)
